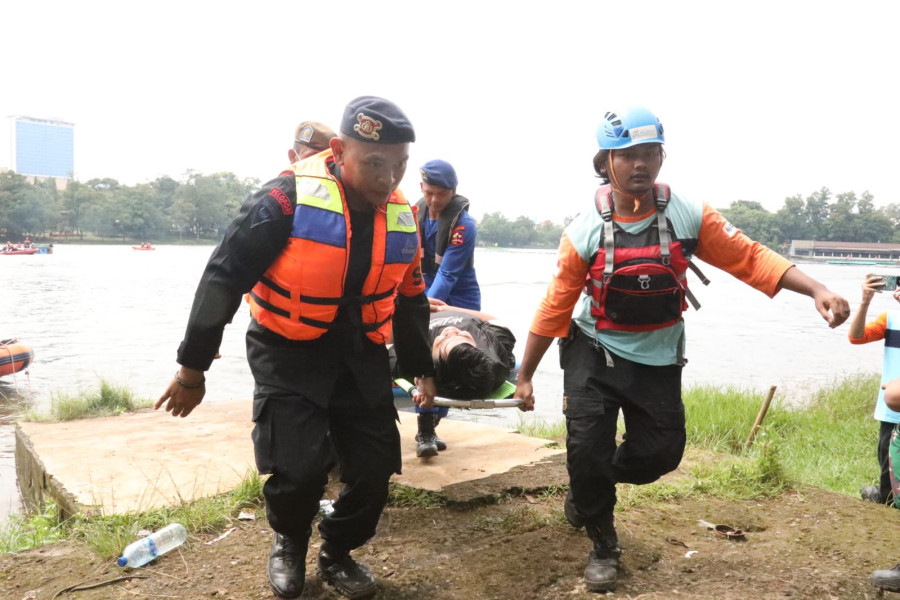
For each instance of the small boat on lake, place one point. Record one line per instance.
(26, 247)
(143, 246)
(11, 250)
(14, 356)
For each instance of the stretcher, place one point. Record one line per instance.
(499, 398)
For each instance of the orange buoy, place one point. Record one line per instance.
(14, 356)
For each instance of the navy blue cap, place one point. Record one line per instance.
(373, 119)
(440, 173)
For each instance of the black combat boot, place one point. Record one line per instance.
(351, 578)
(427, 444)
(287, 565)
(600, 574)
(441, 444)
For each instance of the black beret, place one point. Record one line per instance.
(440, 173)
(373, 119)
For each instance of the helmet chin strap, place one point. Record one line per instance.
(614, 183)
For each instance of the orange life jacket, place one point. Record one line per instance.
(300, 294)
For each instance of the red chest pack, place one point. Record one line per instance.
(637, 281)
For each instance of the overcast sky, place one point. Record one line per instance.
(760, 100)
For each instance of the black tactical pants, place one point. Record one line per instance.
(650, 400)
(293, 439)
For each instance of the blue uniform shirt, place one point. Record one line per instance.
(454, 282)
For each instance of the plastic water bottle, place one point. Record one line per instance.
(141, 552)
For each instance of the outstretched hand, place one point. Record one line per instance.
(180, 400)
(833, 308)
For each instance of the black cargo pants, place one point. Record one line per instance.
(292, 440)
(650, 400)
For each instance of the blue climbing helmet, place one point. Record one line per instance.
(630, 127)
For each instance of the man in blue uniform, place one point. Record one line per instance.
(448, 238)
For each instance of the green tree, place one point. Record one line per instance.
(493, 230)
(817, 211)
(24, 208)
(755, 221)
(205, 204)
(842, 224)
(792, 220)
(76, 201)
(140, 214)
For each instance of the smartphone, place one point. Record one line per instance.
(890, 282)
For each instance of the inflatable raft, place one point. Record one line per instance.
(14, 356)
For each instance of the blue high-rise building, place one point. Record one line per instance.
(42, 147)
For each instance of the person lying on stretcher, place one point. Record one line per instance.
(473, 356)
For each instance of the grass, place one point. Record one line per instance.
(107, 535)
(542, 429)
(829, 441)
(734, 478)
(108, 400)
(402, 495)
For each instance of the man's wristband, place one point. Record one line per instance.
(186, 386)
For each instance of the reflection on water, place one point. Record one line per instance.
(112, 312)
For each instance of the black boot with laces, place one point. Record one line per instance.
(351, 578)
(600, 575)
(426, 438)
(287, 565)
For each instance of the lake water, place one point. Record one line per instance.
(110, 312)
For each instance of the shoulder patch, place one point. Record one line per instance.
(729, 229)
(282, 200)
(457, 236)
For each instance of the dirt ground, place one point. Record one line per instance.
(512, 542)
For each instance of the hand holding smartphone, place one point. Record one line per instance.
(890, 283)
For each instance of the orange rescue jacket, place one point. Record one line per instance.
(300, 294)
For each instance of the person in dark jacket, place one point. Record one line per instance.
(448, 238)
(323, 304)
(473, 356)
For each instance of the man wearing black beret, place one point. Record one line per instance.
(323, 305)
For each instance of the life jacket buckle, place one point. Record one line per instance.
(644, 280)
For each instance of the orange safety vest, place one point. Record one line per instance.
(301, 292)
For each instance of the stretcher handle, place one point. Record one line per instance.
(408, 387)
(506, 403)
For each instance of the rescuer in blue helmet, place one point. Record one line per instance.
(616, 301)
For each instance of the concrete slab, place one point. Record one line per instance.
(149, 459)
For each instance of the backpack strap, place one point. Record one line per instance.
(604, 206)
(662, 194)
